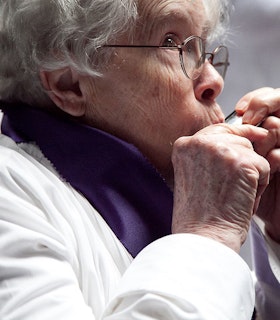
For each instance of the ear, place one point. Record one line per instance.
(63, 87)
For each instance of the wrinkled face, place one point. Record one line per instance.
(144, 97)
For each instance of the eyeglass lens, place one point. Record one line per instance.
(220, 60)
(192, 57)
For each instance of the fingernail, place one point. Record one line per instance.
(241, 106)
(248, 116)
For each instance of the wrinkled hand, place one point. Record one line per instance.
(263, 105)
(219, 180)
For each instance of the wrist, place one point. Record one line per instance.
(229, 237)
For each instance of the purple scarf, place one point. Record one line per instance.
(112, 174)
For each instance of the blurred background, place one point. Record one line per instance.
(254, 49)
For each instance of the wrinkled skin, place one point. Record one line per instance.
(234, 176)
(219, 181)
(151, 101)
(263, 105)
(144, 97)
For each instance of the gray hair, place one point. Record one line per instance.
(218, 12)
(52, 34)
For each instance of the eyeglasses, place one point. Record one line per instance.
(192, 56)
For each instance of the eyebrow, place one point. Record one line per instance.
(168, 18)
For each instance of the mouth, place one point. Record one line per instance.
(220, 120)
(216, 114)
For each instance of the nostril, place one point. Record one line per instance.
(208, 94)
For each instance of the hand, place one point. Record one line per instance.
(218, 181)
(258, 106)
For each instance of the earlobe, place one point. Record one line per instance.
(63, 88)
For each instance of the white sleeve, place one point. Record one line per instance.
(177, 277)
(48, 271)
(184, 277)
(267, 271)
(37, 280)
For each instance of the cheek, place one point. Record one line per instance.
(171, 93)
(154, 79)
(171, 110)
(157, 95)
(163, 87)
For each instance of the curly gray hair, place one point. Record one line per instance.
(52, 34)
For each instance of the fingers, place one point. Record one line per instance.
(249, 132)
(272, 139)
(273, 158)
(263, 106)
(269, 146)
(219, 180)
(259, 104)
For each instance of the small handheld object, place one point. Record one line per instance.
(233, 118)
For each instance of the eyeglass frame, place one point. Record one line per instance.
(180, 47)
(212, 55)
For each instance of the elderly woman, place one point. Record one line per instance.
(114, 148)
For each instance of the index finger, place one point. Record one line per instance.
(257, 105)
(248, 131)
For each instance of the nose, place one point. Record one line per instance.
(209, 84)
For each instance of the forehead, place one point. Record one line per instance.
(159, 13)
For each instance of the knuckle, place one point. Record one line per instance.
(271, 122)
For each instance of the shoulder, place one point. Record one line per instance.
(30, 188)
(22, 159)
(34, 197)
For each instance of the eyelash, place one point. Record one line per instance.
(171, 40)
(175, 40)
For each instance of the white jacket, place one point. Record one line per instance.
(60, 260)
